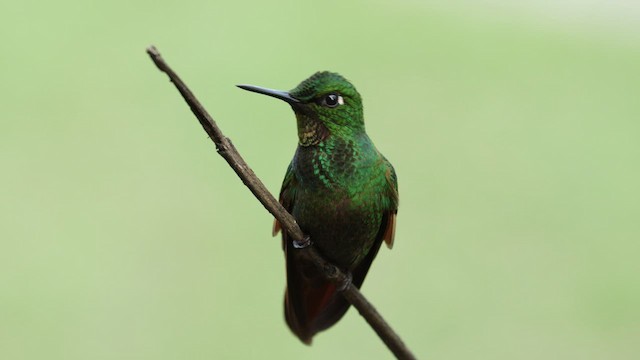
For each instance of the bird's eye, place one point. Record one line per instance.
(333, 100)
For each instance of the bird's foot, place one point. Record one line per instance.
(306, 242)
(346, 282)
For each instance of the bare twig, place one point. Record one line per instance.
(226, 149)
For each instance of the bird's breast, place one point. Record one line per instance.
(342, 227)
(338, 200)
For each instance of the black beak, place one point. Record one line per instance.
(278, 94)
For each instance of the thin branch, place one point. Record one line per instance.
(331, 272)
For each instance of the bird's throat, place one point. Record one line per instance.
(311, 131)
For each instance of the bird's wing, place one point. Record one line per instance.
(287, 196)
(391, 201)
(307, 294)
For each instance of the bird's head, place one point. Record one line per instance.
(325, 104)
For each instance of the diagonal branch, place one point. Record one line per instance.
(332, 273)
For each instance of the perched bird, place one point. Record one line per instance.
(342, 192)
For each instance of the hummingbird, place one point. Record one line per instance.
(342, 192)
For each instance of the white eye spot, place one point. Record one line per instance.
(340, 100)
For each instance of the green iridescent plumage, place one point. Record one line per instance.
(342, 192)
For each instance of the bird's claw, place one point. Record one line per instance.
(306, 242)
(346, 282)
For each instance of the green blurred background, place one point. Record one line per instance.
(513, 127)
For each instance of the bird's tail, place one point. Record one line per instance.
(312, 304)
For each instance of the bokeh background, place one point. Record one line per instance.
(514, 129)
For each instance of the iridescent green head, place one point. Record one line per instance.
(325, 104)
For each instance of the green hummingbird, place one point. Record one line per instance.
(342, 192)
